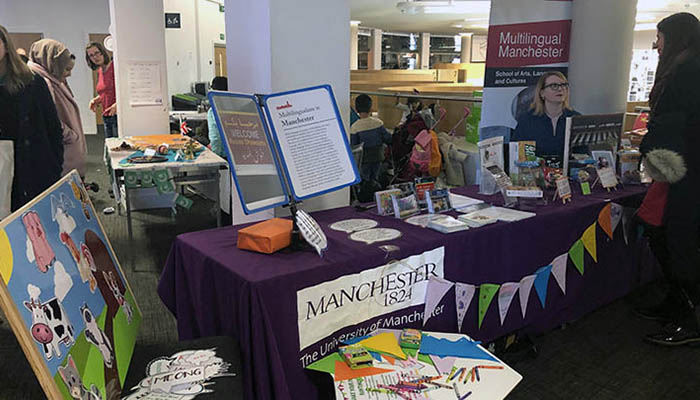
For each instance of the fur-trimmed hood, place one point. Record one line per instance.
(665, 165)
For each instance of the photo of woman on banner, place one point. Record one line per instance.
(545, 121)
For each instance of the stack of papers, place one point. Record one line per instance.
(503, 214)
(447, 225)
(458, 201)
(476, 220)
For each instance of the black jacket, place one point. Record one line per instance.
(675, 125)
(30, 120)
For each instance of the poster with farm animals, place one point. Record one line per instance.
(65, 295)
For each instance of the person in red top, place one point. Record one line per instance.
(98, 59)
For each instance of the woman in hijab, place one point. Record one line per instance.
(28, 118)
(52, 61)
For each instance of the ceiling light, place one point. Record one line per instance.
(444, 7)
(645, 27)
(645, 5)
(353, 22)
(645, 17)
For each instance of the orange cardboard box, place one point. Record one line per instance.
(267, 236)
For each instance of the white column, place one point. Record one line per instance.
(466, 51)
(354, 29)
(602, 34)
(424, 57)
(275, 45)
(138, 37)
(374, 58)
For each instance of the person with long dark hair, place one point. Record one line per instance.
(670, 155)
(28, 118)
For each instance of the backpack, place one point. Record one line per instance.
(425, 156)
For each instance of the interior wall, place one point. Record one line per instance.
(190, 49)
(70, 22)
(643, 39)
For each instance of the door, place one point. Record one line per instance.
(220, 60)
(98, 38)
(25, 40)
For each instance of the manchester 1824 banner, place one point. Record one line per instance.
(526, 39)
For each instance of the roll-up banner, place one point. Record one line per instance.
(526, 39)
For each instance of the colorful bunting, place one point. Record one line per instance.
(605, 220)
(437, 287)
(576, 254)
(486, 293)
(559, 271)
(464, 293)
(541, 281)
(505, 297)
(616, 212)
(588, 239)
(524, 292)
(443, 364)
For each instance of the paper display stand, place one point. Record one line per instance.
(65, 295)
(284, 147)
(594, 132)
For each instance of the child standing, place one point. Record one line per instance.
(370, 132)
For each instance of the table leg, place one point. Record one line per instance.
(128, 212)
(217, 201)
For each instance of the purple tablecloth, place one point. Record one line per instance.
(213, 288)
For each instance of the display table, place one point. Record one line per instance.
(205, 168)
(213, 288)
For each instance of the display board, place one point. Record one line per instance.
(65, 295)
(296, 148)
(312, 141)
(586, 133)
(526, 39)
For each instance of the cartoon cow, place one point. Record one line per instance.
(74, 383)
(50, 325)
(36, 234)
(112, 283)
(96, 336)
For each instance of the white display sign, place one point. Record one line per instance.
(312, 141)
(144, 84)
(329, 306)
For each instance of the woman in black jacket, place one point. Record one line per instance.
(28, 117)
(670, 154)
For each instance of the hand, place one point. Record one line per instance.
(93, 104)
(111, 110)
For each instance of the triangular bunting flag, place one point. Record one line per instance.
(443, 364)
(588, 239)
(464, 293)
(541, 281)
(615, 215)
(576, 254)
(437, 287)
(605, 221)
(505, 297)
(559, 271)
(486, 293)
(344, 372)
(524, 292)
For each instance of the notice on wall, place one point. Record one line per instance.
(312, 141)
(144, 84)
(525, 40)
(351, 299)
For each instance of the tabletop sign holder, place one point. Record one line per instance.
(284, 147)
(607, 178)
(563, 190)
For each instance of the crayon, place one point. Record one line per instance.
(462, 374)
(378, 390)
(438, 384)
(466, 395)
(454, 386)
(473, 375)
(449, 377)
(469, 374)
(490, 366)
(476, 370)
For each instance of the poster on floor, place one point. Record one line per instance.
(65, 295)
(525, 40)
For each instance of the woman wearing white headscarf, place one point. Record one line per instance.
(52, 61)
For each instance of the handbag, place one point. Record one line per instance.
(7, 169)
(654, 204)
